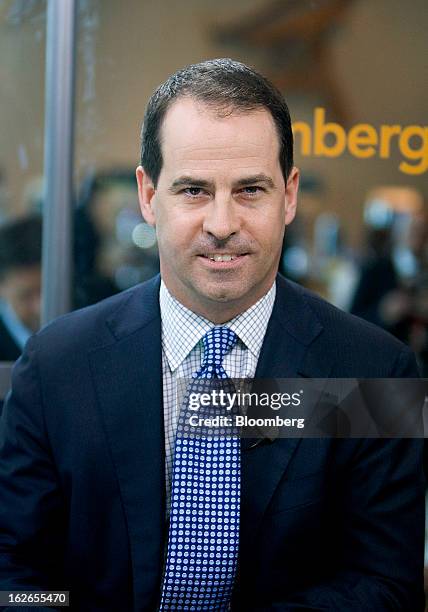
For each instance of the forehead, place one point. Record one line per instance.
(194, 135)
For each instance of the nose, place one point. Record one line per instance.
(221, 220)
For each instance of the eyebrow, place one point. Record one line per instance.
(256, 178)
(184, 181)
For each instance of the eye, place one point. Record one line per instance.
(193, 192)
(251, 190)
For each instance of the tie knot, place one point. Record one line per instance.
(217, 342)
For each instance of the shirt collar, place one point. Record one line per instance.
(250, 326)
(182, 329)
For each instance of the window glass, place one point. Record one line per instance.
(22, 49)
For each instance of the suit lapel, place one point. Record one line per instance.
(293, 328)
(128, 380)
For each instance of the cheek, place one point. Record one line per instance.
(173, 236)
(268, 229)
(176, 228)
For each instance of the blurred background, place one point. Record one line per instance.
(352, 73)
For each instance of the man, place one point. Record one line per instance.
(92, 451)
(20, 284)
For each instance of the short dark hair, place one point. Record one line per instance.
(20, 244)
(225, 85)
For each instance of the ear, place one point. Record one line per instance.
(291, 190)
(146, 193)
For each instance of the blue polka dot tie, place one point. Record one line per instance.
(204, 519)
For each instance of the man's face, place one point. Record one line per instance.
(220, 207)
(21, 288)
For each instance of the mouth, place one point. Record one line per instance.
(223, 260)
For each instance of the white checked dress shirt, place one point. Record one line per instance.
(182, 332)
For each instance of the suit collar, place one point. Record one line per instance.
(293, 327)
(139, 307)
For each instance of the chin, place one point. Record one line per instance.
(221, 297)
(224, 295)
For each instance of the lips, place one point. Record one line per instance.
(223, 260)
(222, 256)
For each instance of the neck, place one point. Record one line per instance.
(218, 312)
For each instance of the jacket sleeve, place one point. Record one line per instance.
(32, 517)
(383, 510)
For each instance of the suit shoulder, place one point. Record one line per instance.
(360, 348)
(331, 315)
(95, 325)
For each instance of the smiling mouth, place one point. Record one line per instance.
(223, 256)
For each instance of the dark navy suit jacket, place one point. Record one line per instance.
(325, 524)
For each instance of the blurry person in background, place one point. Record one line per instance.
(20, 284)
(378, 277)
(392, 290)
(111, 253)
(404, 310)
